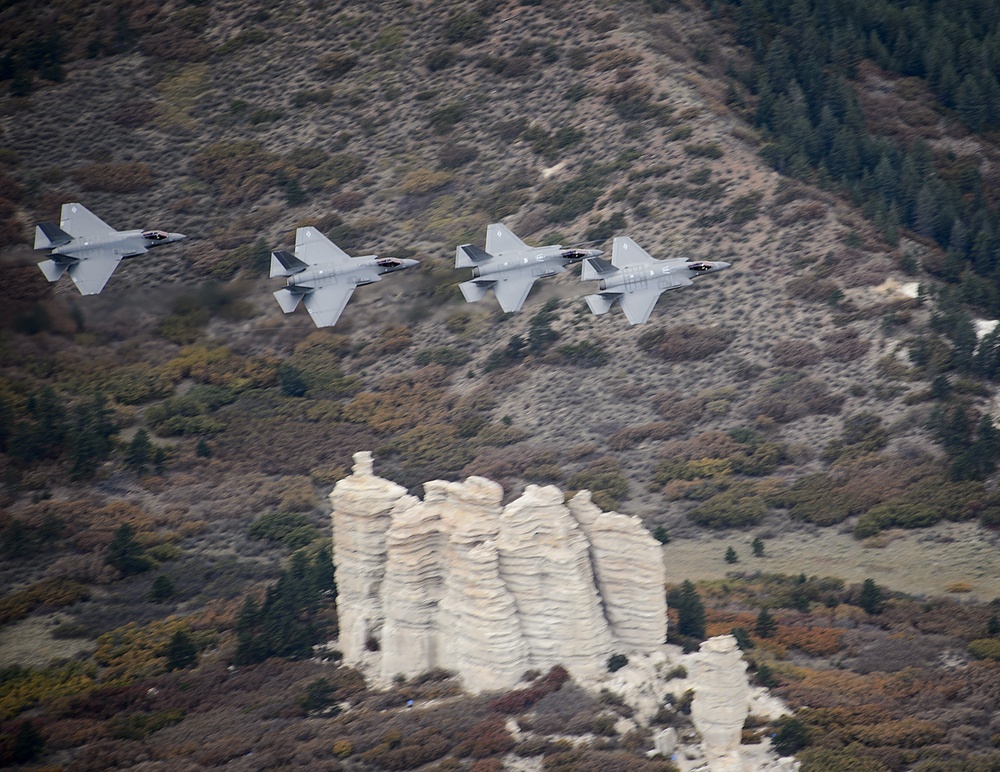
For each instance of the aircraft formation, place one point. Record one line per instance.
(323, 277)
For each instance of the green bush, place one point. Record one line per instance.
(985, 648)
(604, 480)
(583, 354)
(737, 507)
(291, 529)
(447, 356)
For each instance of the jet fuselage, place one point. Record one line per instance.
(123, 244)
(663, 274)
(358, 274)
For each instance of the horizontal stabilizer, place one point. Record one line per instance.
(53, 271)
(92, 274)
(474, 290)
(596, 268)
(49, 235)
(285, 264)
(469, 256)
(600, 304)
(288, 300)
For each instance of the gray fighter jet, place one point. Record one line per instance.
(88, 249)
(637, 279)
(324, 276)
(510, 267)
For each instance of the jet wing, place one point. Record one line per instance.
(626, 252)
(326, 304)
(512, 291)
(499, 238)
(81, 223)
(92, 274)
(313, 248)
(639, 305)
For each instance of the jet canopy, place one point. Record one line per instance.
(389, 262)
(155, 235)
(701, 266)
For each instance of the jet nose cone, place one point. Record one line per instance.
(720, 265)
(410, 263)
(177, 237)
(595, 252)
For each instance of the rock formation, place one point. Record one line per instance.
(721, 700)
(457, 581)
(361, 518)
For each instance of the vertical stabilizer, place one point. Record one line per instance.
(48, 235)
(285, 264)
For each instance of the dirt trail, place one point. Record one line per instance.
(921, 562)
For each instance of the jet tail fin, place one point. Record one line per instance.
(595, 269)
(285, 264)
(48, 235)
(288, 300)
(53, 271)
(474, 290)
(469, 256)
(600, 304)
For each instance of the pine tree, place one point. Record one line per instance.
(871, 597)
(731, 556)
(162, 588)
(139, 452)
(690, 611)
(758, 547)
(181, 652)
(322, 572)
(125, 553)
(28, 742)
(89, 444)
(765, 626)
(249, 648)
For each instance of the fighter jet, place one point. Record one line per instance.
(88, 249)
(510, 267)
(636, 279)
(324, 276)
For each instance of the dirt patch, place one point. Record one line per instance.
(29, 643)
(923, 562)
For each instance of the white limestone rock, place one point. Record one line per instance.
(413, 586)
(545, 563)
(362, 504)
(628, 563)
(721, 699)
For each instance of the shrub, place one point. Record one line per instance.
(335, 64)
(985, 648)
(465, 27)
(603, 478)
(686, 343)
(292, 530)
(795, 353)
(520, 700)
(616, 662)
(740, 506)
(445, 118)
(446, 356)
(115, 177)
(705, 150)
(48, 592)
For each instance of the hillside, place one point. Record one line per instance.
(797, 396)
